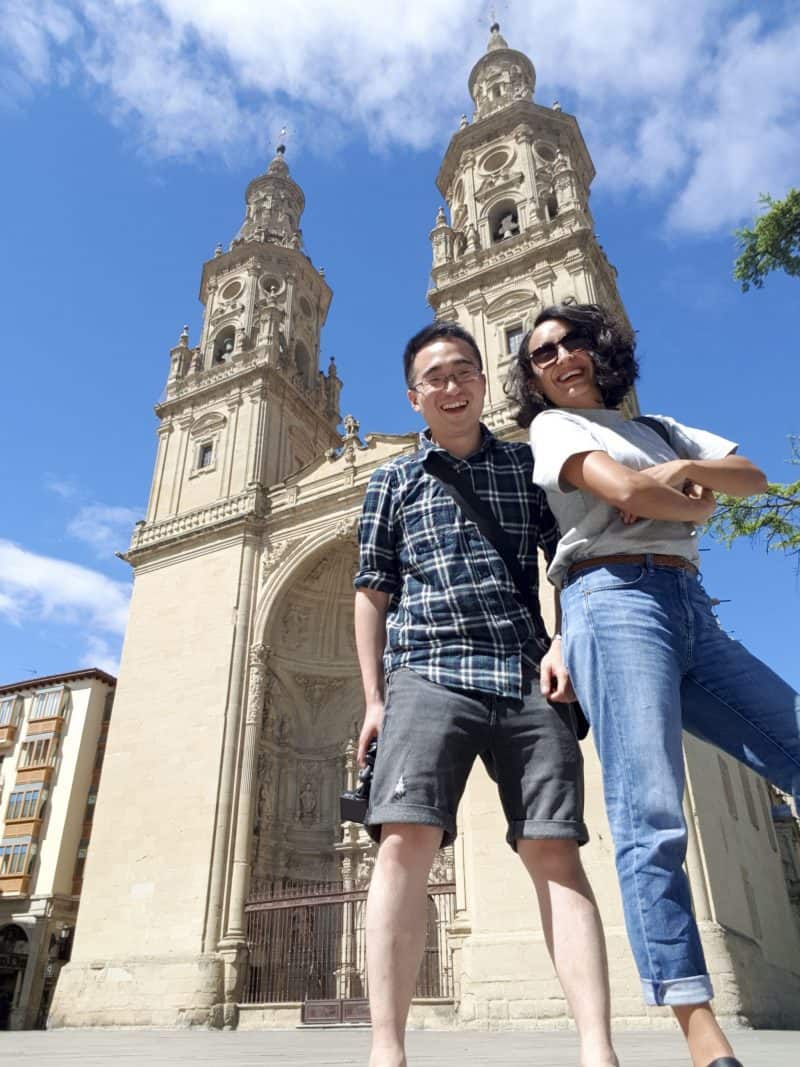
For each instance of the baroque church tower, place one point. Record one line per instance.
(239, 696)
(521, 236)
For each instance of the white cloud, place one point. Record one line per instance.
(101, 653)
(107, 529)
(40, 587)
(61, 488)
(695, 101)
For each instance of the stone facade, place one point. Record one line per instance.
(239, 697)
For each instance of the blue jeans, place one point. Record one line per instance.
(647, 657)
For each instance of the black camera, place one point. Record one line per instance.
(353, 803)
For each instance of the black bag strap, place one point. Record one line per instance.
(657, 425)
(479, 512)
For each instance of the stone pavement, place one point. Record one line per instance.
(341, 1048)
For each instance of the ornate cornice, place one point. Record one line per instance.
(251, 504)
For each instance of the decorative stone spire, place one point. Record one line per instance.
(274, 205)
(500, 77)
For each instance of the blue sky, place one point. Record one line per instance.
(130, 131)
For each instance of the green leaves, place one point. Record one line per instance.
(772, 244)
(773, 517)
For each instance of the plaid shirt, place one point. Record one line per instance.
(455, 615)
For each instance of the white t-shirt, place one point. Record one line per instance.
(589, 526)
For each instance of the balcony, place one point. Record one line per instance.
(52, 725)
(28, 827)
(8, 735)
(14, 885)
(35, 772)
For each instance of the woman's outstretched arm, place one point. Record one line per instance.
(732, 474)
(635, 492)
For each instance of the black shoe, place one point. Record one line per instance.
(725, 1061)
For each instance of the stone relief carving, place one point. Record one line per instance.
(274, 554)
(295, 626)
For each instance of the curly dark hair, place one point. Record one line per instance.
(613, 355)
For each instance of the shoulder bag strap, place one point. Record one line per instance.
(657, 425)
(479, 512)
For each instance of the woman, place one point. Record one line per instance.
(644, 652)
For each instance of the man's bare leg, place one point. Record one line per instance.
(574, 936)
(396, 926)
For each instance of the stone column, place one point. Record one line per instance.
(257, 686)
(227, 782)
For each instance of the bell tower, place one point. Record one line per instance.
(265, 304)
(520, 233)
(161, 939)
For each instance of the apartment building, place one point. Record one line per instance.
(52, 741)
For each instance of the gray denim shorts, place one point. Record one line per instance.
(428, 742)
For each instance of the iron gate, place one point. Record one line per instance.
(307, 943)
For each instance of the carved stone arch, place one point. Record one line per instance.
(211, 422)
(504, 219)
(313, 709)
(223, 342)
(519, 300)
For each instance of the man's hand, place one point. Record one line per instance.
(373, 717)
(553, 677)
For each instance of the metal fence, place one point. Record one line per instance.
(307, 942)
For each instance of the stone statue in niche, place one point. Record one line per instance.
(307, 803)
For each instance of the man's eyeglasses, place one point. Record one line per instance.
(574, 341)
(436, 382)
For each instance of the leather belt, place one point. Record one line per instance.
(678, 562)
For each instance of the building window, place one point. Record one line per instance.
(748, 796)
(514, 335)
(108, 706)
(80, 861)
(205, 454)
(38, 752)
(47, 704)
(24, 803)
(551, 207)
(727, 787)
(9, 711)
(13, 856)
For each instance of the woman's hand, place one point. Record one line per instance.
(553, 677)
(672, 473)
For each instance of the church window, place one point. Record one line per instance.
(205, 454)
(748, 796)
(727, 786)
(551, 207)
(497, 91)
(766, 807)
(504, 221)
(514, 335)
(223, 345)
(302, 359)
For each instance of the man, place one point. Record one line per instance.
(449, 658)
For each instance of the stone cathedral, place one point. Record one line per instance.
(239, 696)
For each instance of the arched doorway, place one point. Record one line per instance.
(14, 949)
(312, 710)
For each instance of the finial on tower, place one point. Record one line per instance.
(496, 39)
(184, 339)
